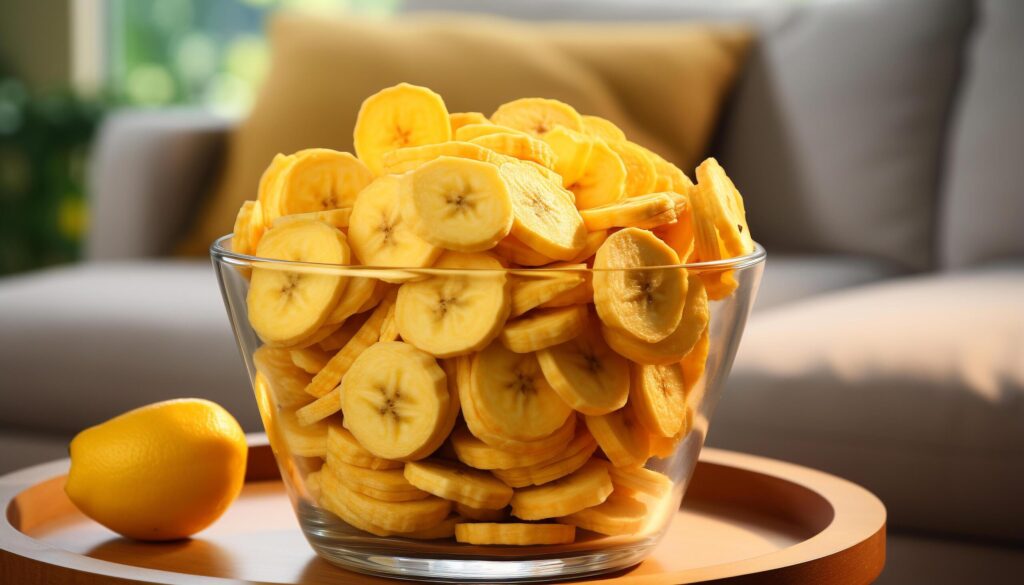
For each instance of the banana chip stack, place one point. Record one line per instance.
(516, 337)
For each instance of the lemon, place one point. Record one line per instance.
(160, 472)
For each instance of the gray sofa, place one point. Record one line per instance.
(878, 145)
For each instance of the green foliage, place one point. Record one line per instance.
(207, 53)
(43, 145)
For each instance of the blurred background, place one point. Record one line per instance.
(65, 63)
(877, 144)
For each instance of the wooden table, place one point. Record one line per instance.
(745, 519)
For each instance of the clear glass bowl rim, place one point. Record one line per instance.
(221, 253)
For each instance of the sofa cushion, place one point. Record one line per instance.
(913, 388)
(663, 83)
(148, 171)
(790, 277)
(606, 10)
(87, 342)
(983, 207)
(835, 133)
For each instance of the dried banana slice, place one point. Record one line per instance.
(285, 381)
(598, 127)
(310, 360)
(312, 484)
(286, 306)
(454, 314)
(391, 517)
(394, 399)
(471, 131)
(519, 253)
(549, 445)
(588, 486)
(460, 119)
(530, 289)
(519, 146)
(340, 334)
(670, 177)
(581, 295)
(411, 158)
(460, 204)
(719, 283)
(544, 328)
(338, 218)
(386, 485)
(634, 292)
(693, 365)
(248, 229)
(396, 117)
(343, 446)
(658, 395)
(269, 189)
(459, 483)
(673, 348)
(443, 529)
(320, 179)
(328, 378)
(641, 172)
(545, 218)
(621, 436)
(571, 458)
(603, 180)
(334, 500)
(318, 410)
(537, 116)
(618, 515)
(646, 211)
(389, 327)
(454, 407)
(479, 455)
(722, 202)
(302, 440)
(513, 534)
(586, 373)
(679, 233)
(642, 480)
(511, 396)
(380, 234)
(572, 151)
(357, 294)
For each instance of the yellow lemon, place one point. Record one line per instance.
(159, 472)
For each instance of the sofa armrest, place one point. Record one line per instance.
(149, 171)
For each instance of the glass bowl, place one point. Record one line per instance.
(515, 415)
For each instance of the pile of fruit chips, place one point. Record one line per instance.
(514, 395)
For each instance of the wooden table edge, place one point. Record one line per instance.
(859, 517)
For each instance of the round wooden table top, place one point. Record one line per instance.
(745, 519)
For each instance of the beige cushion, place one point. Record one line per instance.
(914, 388)
(147, 171)
(793, 277)
(663, 84)
(87, 342)
(836, 131)
(983, 208)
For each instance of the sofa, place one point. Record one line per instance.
(877, 145)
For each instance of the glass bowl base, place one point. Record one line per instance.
(341, 545)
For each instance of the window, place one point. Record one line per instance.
(211, 53)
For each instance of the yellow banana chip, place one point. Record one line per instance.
(396, 117)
